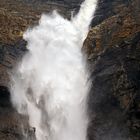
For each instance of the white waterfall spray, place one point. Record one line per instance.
(50, 84)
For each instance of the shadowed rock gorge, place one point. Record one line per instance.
(113, 52)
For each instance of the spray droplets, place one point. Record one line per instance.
(50, 84)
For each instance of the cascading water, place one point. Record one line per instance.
(50, 84)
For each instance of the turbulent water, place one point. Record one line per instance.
(50, 84)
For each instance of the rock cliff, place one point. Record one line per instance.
(113, 52)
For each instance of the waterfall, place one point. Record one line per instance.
(50, 84)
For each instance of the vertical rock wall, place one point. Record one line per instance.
(113, 51)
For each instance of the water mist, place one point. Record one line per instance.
(50, 84)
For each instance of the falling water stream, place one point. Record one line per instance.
(50, 84)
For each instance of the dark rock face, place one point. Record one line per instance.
(114, 101)
(106, 9)
(12, 125)
(10, 54)
(64, 2)
(113, 48)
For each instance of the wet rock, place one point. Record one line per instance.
(12, 125)
(10, 55)
(115, 94)
(113, 48)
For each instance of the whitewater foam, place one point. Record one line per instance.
(50, 83)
